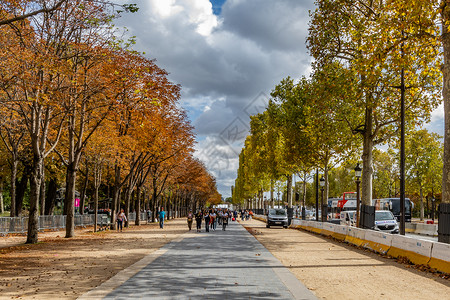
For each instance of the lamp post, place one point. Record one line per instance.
(433, 207)
(322, 184)
(358, 176)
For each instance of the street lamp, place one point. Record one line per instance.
(358, 176)
(322, 184)
(433, 207)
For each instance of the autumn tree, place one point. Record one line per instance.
(379, 41)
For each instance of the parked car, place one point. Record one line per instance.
(385, 221)
(348, 217)
(277, 216)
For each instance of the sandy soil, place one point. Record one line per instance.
(61, 268)
(335, 270)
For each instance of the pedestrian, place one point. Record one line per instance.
(162, 215)
(219, 214)
(190, 218)
(198, 220)
(207, 220)
(224, 220)
(213, 217)
(120, 218)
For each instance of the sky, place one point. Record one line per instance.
(227, 55)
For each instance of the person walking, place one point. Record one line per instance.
(190, 219)
(224, 220)
(162, 215)
(207, 220)
(120, 218)
(198, 220)
(213, 217)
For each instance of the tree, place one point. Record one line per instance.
(378, 41)
(424, 154)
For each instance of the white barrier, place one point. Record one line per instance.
(416, 250)
(426, 229)
(440, 257)
(340, 232)
(377, 241)
(328, 228)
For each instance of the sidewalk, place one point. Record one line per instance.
(229, 264)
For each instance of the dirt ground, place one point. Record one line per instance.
(61, 268)
(335, 270)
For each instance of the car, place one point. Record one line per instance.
(385, 221)
(348, 217)
(278, 217)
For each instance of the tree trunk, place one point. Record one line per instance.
(71, 176)
(13, 209)
(83, 191)
(367, 170)
(137, 206)
(2, 205)
(289, 190)
(304, 190)
(444, 231)
(116, 193)
(446, 97)
(20, 192)
(422, 210)
(271, 193)
(42, 193)
(33, 218)
(50, 197)
(96, 208)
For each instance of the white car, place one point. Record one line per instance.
(385, 221)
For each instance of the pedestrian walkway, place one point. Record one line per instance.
(229, 264)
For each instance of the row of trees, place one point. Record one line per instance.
(75, 97)
(367, 56)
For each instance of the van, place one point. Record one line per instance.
(385, 221)
(348, 217)
(277, 216)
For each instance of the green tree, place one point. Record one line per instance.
(377, 41)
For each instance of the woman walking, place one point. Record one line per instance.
(213, 217)
(190, 219)
(198, 220)
(207, 220)
(120, 218)
(224, 220)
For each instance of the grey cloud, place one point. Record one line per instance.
(259, 43)
(280, 24)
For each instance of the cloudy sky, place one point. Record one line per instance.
(227, 55)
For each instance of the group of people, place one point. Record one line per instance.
(211, 218)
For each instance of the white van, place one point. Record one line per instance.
(385, 221)
(348, 217)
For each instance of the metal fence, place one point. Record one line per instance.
(20, 224)
(132, 216)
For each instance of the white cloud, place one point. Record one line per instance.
(438, 113)
(223, 63)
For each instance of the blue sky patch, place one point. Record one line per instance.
(217, 6)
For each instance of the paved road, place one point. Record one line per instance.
(422, 237)
(229, 264)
